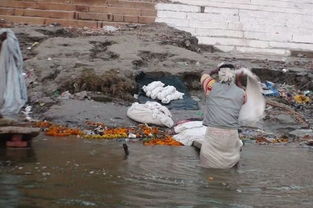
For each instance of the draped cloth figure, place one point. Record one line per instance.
(13, 92)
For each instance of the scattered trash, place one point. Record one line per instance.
(149, 135)
(309, 143)
(264, 140)
(49, 59)
(109, 28)
(169, 141)
(302, 99)
(66, 96)
(27, 112)
(33, 45)
(269, 89)
(81, 95)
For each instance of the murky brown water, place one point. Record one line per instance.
(71, 172)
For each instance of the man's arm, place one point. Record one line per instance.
(207, 81)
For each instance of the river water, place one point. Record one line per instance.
(72, 172)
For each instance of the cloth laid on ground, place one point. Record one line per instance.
(220, 148)
(189, 132)
(151, 113)
(187, 103)
(253, 110)
(156, 90)
(13, 94)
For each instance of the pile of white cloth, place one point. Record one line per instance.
(156, 90)
(13, 92)
(189, 132)
(151, 113)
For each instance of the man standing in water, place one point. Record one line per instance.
(224, 99)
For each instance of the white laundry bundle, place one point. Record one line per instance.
(13, 95)
(189, 132)
(156, 90)
(253, 110)
(151, 113)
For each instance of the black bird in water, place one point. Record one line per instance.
(125, 147)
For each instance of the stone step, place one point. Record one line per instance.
(63, 22)
(38, 13)
(70, 19)
(114, 17)
(74, 7)
(112, 3)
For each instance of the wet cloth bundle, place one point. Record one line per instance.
(189, 132)
(13, 94)
(187, 103)
(220, 148)
(253, 110)
(156, 90)
(151, 113)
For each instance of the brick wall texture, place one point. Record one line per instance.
(78, 13)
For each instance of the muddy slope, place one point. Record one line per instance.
(105, 64)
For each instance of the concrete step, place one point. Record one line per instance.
(37, 13)
(114, 17)
(84, 5)
(109, 17)
(63, 22)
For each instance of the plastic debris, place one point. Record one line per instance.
(302, 99)
(109, 28)
(269, 89)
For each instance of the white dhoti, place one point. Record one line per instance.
(220, 148)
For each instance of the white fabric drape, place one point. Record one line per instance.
(253, 110)
(13, 92)
(220, 148)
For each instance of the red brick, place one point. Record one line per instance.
(27, 20)
(73, 23)
(92, 16)
(82, 8)
(17, 4)
(118, 18)
(45, 13)
(90, 2)
(54, 6)
(53, 1)
(7, 11)
(131, 4)
(116, 10)
(131, 19)
(146, 20)
(148, 12)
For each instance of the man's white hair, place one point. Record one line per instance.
(226, 75)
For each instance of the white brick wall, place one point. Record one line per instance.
(248, 26)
